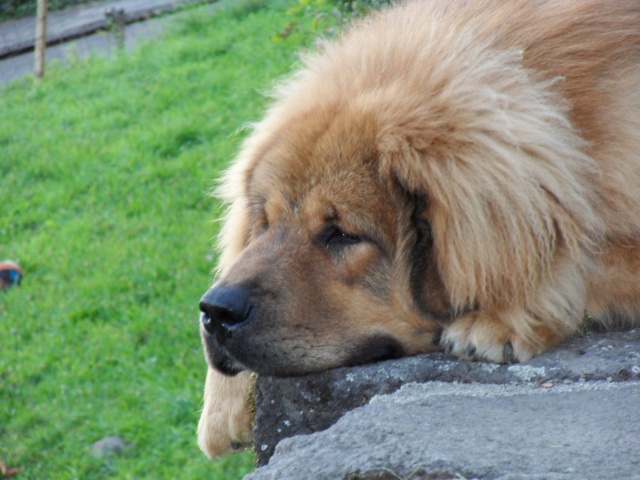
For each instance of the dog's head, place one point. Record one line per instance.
(323, 249)
(368, 210)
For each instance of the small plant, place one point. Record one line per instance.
(329, 16)
(359, 7)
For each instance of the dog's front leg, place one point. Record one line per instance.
(225, 423)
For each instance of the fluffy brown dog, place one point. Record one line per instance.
(449, 174)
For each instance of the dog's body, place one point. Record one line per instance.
(449, 174)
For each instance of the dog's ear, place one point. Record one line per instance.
(504, 200)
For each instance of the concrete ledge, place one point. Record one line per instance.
(304, 405)
(443, 431)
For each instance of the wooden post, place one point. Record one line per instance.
(41, 38)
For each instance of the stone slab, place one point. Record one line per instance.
(302, 405)
(582, 430)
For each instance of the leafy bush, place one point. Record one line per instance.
(23, 8)
(329, 17)
(360, 6)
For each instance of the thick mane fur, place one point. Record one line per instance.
(470, 113)
(491, 141)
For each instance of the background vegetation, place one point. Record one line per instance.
(20, 8)
(105, 169)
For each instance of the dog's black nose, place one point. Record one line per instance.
(224, 308)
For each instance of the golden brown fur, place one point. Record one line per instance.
(449, 174)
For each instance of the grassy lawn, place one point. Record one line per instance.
(105, 170)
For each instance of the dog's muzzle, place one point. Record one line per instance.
(224, 311)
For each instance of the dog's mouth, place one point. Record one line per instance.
(375, 349)
(223, 358)
(218, 357)
(227, 365)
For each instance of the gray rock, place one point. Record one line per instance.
(302, 405)
(108, 446)
(583, 430)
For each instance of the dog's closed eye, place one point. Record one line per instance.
(334, 238)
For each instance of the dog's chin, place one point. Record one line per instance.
(372, 350)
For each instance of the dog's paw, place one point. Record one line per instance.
(221, 435)
(225, 424)
(477, 337)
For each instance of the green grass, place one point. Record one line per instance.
(105, 170)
